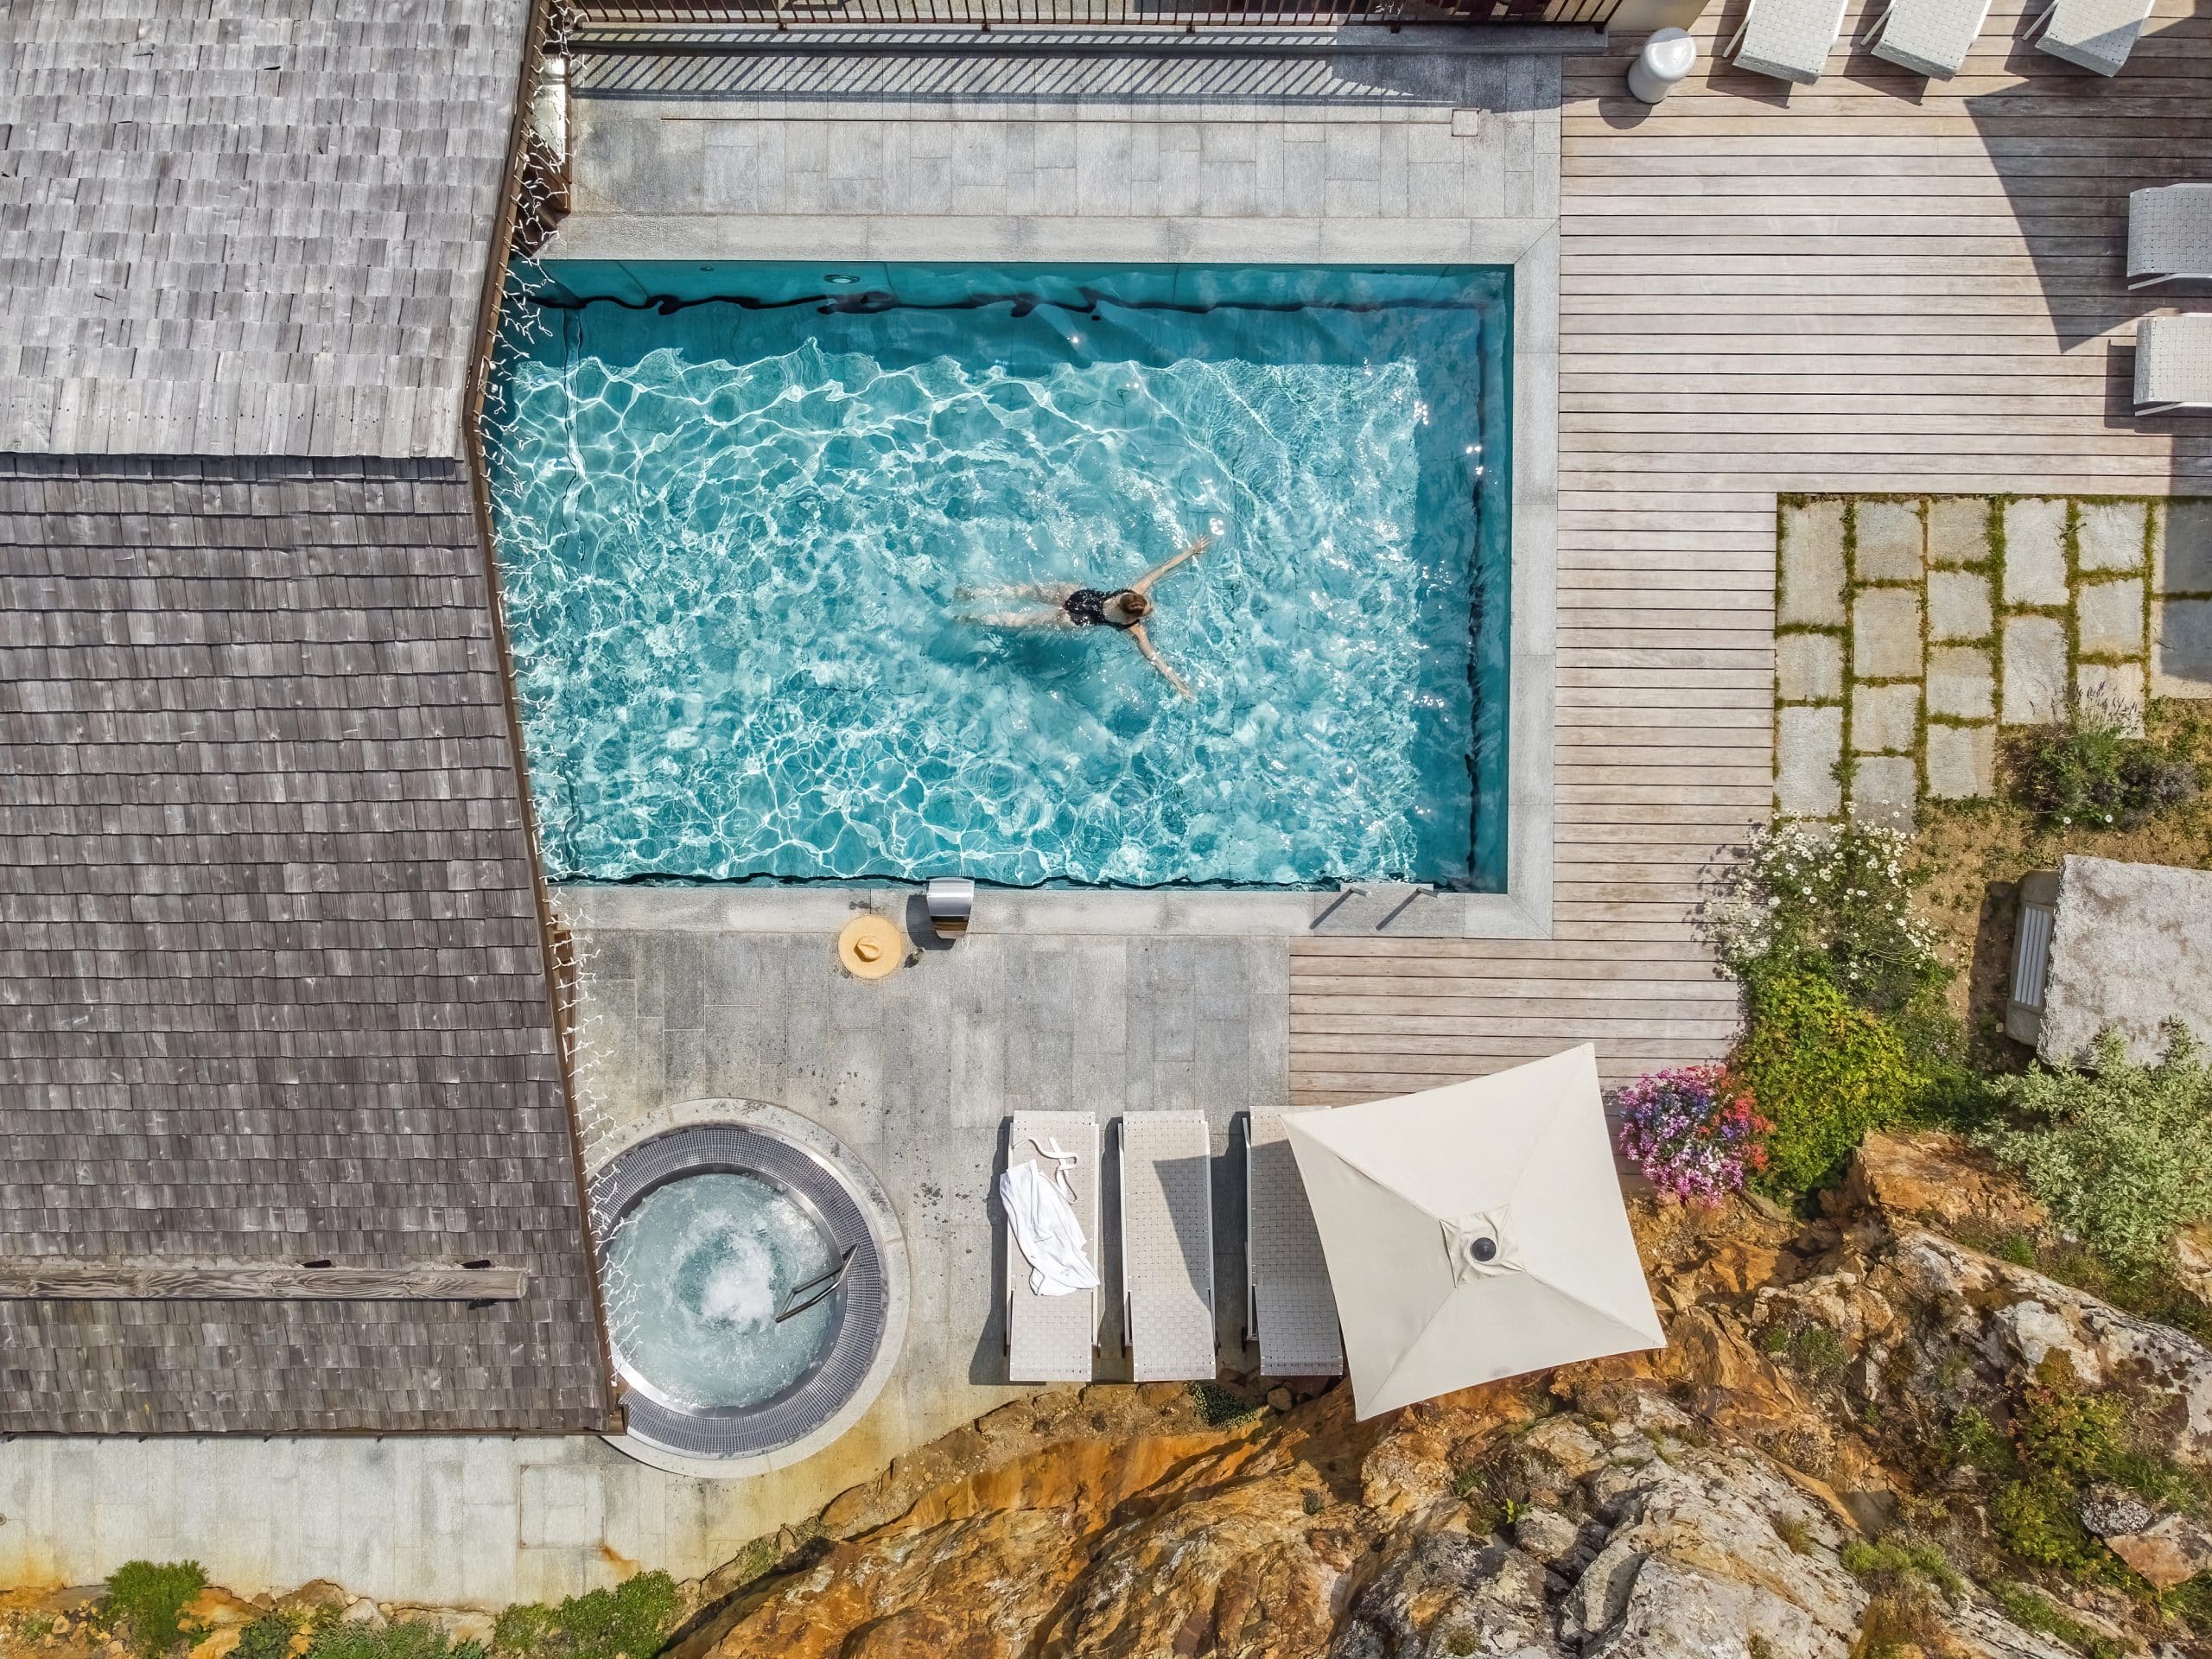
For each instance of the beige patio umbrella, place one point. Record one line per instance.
(1474, 1231)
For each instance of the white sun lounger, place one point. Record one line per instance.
(1293, 1309)
(2169, 235)
(1168, 1246)
(2173, 363)
(2096, 35)
(1929, 37)
(1786, 39)
(1052, 1339)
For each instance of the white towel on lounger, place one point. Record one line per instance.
(1044, 1224)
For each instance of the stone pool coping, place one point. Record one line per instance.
(1441, 224)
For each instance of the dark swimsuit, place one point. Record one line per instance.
(1086, 608)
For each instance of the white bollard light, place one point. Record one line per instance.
(1667, 57)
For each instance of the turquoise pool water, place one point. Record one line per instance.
(751, 524)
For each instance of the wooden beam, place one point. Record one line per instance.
(54, 1279)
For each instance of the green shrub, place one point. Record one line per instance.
(1975, 1443)
(1221, 1407)
(403, 1638)
(2066, 1438)
(2088, 771)
(268, 1636)
(1828, 902)
(2121, 1152)
(1812, 1348)
(1824, 1071)
(632, 1619)
(148, 1598)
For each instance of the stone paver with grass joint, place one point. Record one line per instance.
(1911, 631)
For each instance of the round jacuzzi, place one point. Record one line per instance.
(745, 1289)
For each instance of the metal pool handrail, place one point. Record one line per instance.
(1188, 14)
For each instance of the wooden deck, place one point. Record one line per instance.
(1875, 284)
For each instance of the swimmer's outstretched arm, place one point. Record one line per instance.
(1052, 592)
(1144, 582)
(1159, 662)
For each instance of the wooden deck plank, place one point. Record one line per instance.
(1873, 284)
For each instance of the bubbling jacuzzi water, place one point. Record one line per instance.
(697, 1271)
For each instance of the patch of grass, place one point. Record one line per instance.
(148, 1598)
(1895, 1626)
(1899, 1564)
(1796, 1531)
(403, 1638)
(1809, 1347)
(634, 1619)
(2031, 1612)
(34, 1627)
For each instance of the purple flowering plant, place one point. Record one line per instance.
(1693, 1133)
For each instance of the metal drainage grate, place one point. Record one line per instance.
(749, 1431)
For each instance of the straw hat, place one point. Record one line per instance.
(871, 946)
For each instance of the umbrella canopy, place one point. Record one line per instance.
(1474, 1231)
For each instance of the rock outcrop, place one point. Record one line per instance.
(1700, 1501)
(1785, 1480)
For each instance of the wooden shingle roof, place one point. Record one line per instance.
(247, 226)
(271, 983)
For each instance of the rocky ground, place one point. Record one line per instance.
(1864, 1440)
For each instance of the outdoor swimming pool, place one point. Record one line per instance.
(749, 517)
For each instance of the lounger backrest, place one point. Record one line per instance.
(1167, 1245)
(1931, 37)
(2096, 35)
(1050, 1339)
(1788, 39)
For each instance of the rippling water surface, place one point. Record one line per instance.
(696, 1272)
(745, 552)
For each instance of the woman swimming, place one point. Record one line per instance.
(1064, 605)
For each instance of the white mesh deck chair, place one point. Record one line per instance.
(1168, 1246)
(1786, 39)
(2173, 363)
(2169, 235)
(1052, 1339)
(1929, 37)
(1292, 1311)
(2097, 34)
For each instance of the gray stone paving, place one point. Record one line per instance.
(2035, 552)
(1808, 749)
(1887, 546)
(1885, 719)
(1962, 682)
(2034, 667)
(1003, 156)
(1809, 667)
(1967, 614)
(1886, 634)
(2108, 619)
(1811, 574)
(1958, 606)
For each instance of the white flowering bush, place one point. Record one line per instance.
(1834, 902)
